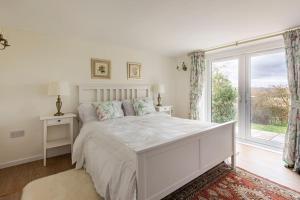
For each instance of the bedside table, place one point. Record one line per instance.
(56, 121)
(166, 109)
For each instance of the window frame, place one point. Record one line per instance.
(243, 55)
(248, 98)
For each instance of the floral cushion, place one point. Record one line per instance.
(143, 106)
(109, 110)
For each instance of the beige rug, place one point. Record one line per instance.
(68, 185)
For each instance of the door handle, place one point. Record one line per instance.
(240, 98)
(247, 98)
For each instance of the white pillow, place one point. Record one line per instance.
(143, 106)
(87, 112)
(109, 110)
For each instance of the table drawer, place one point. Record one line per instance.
(165, 108)
(52, 122)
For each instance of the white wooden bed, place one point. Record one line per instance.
(166, 167)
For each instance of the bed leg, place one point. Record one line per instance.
(233, 162)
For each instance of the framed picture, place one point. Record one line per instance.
(133, 70)
(100, 69)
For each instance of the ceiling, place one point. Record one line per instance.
(169, 27)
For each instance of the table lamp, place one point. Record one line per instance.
(159, 89)
(58, 88)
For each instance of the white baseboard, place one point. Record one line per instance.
(53, 153)
(21, 161)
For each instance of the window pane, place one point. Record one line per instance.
(269, 97)
(224, 91)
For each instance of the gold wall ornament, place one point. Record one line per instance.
(3, 42)
(183, 67)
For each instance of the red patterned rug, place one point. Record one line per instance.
(222, 183)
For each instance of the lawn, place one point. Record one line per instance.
(271, 128)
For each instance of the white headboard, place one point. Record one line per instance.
(101, 92)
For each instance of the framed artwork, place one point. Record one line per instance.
(100, 69)
(133, 70)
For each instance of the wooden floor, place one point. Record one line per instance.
(258, 161)
(13, 179)
(267, 164)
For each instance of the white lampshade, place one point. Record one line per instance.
(59, 88)
(159, 88)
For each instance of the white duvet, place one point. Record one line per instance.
(107, 149)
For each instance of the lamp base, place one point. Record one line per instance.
(159, 100)
(59, 114)
(58, 106)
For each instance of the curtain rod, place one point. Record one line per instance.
(239, 42)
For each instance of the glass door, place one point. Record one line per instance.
(267, 98)
(252, 89)
(224, 90)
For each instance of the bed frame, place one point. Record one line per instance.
(164, 168)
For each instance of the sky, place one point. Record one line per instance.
(266, 70)
(269, 70)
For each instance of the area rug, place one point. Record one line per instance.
(223, 183)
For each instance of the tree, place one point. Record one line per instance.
(223, 98)
(270, 105)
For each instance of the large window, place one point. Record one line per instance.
(252, 89)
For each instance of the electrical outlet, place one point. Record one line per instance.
(16, 134)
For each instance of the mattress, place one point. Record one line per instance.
(107, 149)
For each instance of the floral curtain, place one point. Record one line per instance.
(196, 83)
(291, 153)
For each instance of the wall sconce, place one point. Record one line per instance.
(183, 67)
(3, 42)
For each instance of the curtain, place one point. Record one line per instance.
(196, 83)
(291, 153)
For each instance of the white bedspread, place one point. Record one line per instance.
(107, 149)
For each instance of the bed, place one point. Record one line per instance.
(146, 157)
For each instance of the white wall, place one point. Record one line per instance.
(182, 91)
(35, 59)
(182, 86)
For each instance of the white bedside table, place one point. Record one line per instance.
(56, 121)
(166, 109)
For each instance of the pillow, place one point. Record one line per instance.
(109, 110)
(143, 106)
(87, 112)
(128, 108)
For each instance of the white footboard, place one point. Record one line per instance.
(166, 167)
